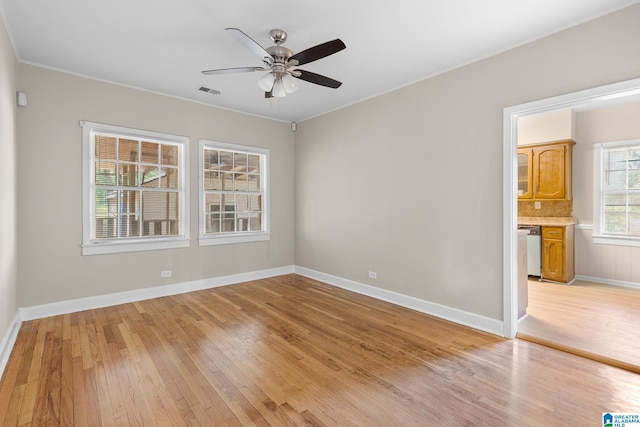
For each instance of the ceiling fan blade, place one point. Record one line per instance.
(268, 94)
(318, 79)
(249, 43)
(233, 70)
(318, 52)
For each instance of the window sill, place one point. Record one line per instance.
(234, 238)
(137, 246)
(616, 240)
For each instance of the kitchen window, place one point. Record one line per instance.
(134, 190)
(617, 193)
(234, 202)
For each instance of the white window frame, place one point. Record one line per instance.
(599, 235)
(92, 246)
(206, 239)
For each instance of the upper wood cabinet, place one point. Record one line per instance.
(544, 170)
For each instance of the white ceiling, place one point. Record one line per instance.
(162, 45)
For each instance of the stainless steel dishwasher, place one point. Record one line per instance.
(534, 249)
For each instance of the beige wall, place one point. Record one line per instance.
(50, 265)
(409, 184)
(550, 126)
(609, 262)
(8, 219)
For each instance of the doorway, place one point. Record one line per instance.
(600, 96)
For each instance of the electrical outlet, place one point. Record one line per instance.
(537, 205)
(166, 273)
(373, 275)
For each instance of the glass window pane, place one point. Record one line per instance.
(634, 223)
(242, 222)
(150, 151)
(240, 162)
(169, 178)
(128, 150)
(129, 226)
(615, 180)
(113, 201)
(173, 206)
(211, 159)
(253, 183)
(169, 155)
(255, 222)
(254, 163)
(212, 223)
(106, 227)
(634, 214)
(228, 202)
(128, 175)
(105, 147)
(149, 176)
(523, 173)
(226, 160)
(634, 179)
(106, 220)
(160, 213)
(212, 203)
(615, 219)
(227, 181)
(615, 199)
(242, 203)
(129, 202)
(105, 173)
(255, 203)
(212, 181)
(240, 181)
(228, 223)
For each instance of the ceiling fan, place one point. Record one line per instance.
(279, 61)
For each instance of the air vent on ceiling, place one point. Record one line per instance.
(209, 90)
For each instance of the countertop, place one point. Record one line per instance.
(547, 220)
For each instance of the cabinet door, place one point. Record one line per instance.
(525, 173)
(550, 172)
(553, 254)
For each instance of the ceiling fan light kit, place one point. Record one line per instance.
(278, 61)
(266, 82)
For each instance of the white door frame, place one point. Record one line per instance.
(586, 98)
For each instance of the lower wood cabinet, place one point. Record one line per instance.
(558, 253)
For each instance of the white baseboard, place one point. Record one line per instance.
(608, 281)
(472, 320)
(88, 303)
(8, 341)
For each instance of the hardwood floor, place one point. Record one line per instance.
(594, 320)
(293, 351)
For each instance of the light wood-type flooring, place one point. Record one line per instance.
(293, 351)
(590, 319)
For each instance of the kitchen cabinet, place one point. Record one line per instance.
(544, 171)
(558, 253)
(525, 173)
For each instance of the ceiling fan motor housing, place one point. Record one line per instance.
(280, 53)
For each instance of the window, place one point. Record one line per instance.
(234, 205)
(134, 188)
(617, 193)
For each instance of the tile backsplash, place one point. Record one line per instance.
(562, 208)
